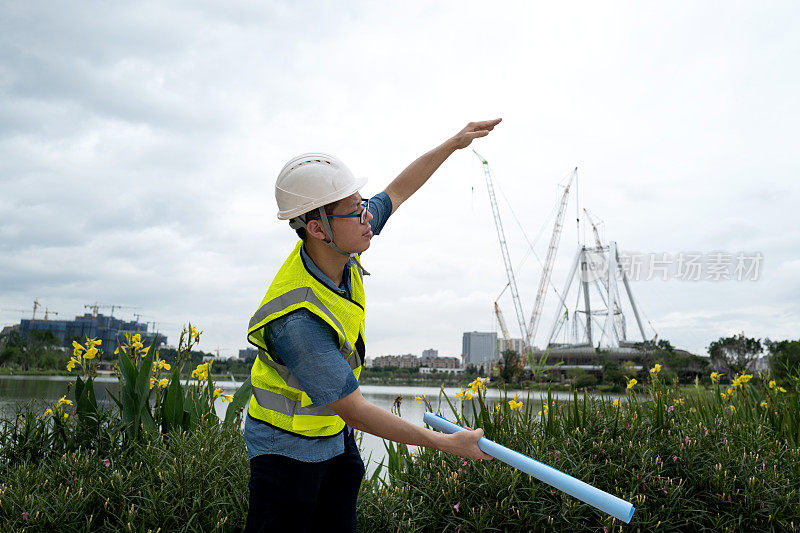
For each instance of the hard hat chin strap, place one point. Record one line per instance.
(325, 224)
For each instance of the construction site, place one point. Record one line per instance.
(597, 319)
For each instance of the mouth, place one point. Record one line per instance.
(367, 234)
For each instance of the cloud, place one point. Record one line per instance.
(139, 144)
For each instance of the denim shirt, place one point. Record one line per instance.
(310, 348)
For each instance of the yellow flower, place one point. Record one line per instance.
(496, 408)
(227, 398)
(419, 399)
(66, 415)
(116, 351)
(478, 384)
(656, 369)
(631, 383)
(733, 409)
(95, 342)
(715, 377)
(201, 372)
(71, 364)
(166, 366)
(616, 403)
(515, 405)
(678, 401)
(772, 384)
(90, 353)
(723, 395)
(217, 393)
(781, 389)
(136, 338)
(729, 391)
(764, 405)
(459, 394)
(163, 383)
(48, 412)
(63, 400)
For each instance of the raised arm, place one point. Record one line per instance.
(424, 166)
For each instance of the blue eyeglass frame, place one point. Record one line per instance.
(362, 215)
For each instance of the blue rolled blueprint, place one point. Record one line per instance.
(608, 503)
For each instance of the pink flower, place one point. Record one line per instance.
(605, 529)
(557, 454)
(25, 516)
(460, 471)
(106, 462)
(670, 408)
(706, 433)
(675, 458)
(658, 460)
(456, 506)
(686, 440)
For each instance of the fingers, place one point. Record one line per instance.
(485, 124)
(476, 134)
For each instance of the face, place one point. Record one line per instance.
(350, 234)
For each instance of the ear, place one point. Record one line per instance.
(315, 229)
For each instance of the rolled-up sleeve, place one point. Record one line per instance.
(310, 349)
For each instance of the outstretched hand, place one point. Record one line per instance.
(473, 130)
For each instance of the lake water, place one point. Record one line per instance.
(45, 390)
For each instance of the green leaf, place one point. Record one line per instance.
(172, 414)
(142, 388)
(240, 399)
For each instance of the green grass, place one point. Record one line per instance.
(696, 466)
(685, 461)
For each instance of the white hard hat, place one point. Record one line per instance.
(312, 180)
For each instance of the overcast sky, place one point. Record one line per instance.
(140, 141)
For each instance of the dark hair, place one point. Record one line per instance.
(301, 232)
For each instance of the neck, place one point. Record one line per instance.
(327, 259)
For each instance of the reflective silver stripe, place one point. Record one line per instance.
(283, 371)
(281, 404)
(294, 296)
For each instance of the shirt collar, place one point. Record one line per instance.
(316, 271)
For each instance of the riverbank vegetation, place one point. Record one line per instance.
(723, 454)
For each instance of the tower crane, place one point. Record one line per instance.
(95, 306)
(512, 282)
(548, 264)
(503, 328)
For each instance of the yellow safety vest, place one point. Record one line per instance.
(278, 398)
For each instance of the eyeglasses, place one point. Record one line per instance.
(362, 216)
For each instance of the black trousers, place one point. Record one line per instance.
(291, 495)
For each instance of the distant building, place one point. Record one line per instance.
(397, 361)
(108, 329)
(479, 347)
(517, 345)
(430, 352)
(440, 362)
(248, 355)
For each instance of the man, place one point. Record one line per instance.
(305, 468)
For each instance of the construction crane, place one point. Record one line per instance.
(48, 312)
(512, 282)
(509, 344)
(548, 263)
(95, 306)
(594, 229)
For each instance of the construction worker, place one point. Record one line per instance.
(305, 467)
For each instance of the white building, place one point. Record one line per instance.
(478, 347)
